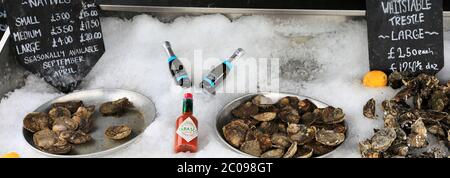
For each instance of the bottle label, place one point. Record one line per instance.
(187, 130)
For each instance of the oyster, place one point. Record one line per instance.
(268, 127)
(329, 137)
(59, 112)
(83, 118)
(306, 105)
(235, 132)
(431, 115)
(253, 134)
(418, 136)
(288, 101)
(438, 101)
(291, 151)
(396, 79)
(245, 110)
(49, 141)
(365, 148)
(64, 124)
(75, 137)
(369, 109)
(406, 120)
(280, 140)
(265, 142)
(251, 147)
(282, 127)
(318, 148)
(304, 152)
(301, 134)
(262, 101)
(436, 130)
(275, 153)
(118, 132)
(394, 108)
(309, 119)
(390, 121)
(116, 108)
(398, 150)
(433, 153)
(383, 139)
(331, 115)
(72, 106)
(265, 117)
(36, 121)
(405, 94)
(289, 114)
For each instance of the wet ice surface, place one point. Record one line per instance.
(329, 53)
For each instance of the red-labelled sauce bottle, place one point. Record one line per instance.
(186, 135)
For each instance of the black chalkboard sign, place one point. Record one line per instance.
(3, 23)
(405, 35)
(60, 40)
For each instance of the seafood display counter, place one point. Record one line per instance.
(289, 57)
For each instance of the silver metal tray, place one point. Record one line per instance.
(138, 119)
(225, 116)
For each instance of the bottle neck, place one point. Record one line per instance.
(187, 106)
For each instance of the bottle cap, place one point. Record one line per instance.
(188, 96)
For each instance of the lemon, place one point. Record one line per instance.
(375, 78)
(11, 155)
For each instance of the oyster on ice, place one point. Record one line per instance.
(116, 108)
(235, 132)
(329, 137)
(64, 124)
(83, 117)
(251, 147)
(36, 121)
(245, 110)
(75, 137)
(118, 132)
(369, 109)
(72, 106)
(49, 141)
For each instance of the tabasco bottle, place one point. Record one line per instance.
(186, 136)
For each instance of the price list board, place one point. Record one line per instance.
(405, 35)
(59, 40)
(3, 23)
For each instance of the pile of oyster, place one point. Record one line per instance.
(420, 109)
(69, 123)
(289, 128)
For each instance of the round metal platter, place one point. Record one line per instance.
(224, 117)
(137, 119)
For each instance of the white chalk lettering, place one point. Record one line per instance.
(28, 48)
(42, 3)
(25, 35)
(27, 20)
(407, 20)
(405, 6)
(87, 49)
(64, 72)
(63, 62)
(415, 34)
(413, 66)
(43, 57)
